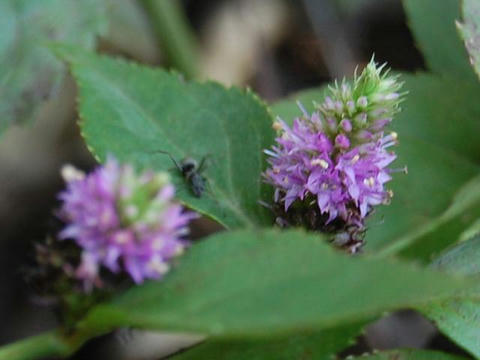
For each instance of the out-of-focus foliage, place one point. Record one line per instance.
(252, 283)
(460, 318)
(29, 72)
(320, 346)
(409, 355)
(470, 31)
(433, 25)
(130, 32)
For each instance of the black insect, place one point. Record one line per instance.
(191, 172)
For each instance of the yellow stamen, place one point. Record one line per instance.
(121, 238)
(320, 162)
(277, 126)
(158, 266)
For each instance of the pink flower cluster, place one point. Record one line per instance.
(337, 158)
(308, 162)
(122, 221)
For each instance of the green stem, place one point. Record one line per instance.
(54, 343)
(175, 36)
(36, 347)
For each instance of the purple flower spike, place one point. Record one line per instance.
(122, 221)
(330, 168)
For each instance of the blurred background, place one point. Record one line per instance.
(276, 47)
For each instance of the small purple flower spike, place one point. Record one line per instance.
(330, 168)
(122, 221)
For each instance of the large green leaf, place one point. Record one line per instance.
(444, 230)
(29, 73)
(410, 354)
(441, 111)
(460, 318)
(437, 130)
(132, 112)
(470, 31)
(319, 346)
(249, 283)
(433, 25)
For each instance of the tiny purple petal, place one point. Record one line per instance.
(342, 141)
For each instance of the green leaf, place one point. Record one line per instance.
(133, 112)
(462, 259)
(437, 130)
(29, 73)
(249, 283)
(422, 197)
(441, 157)
(444, 230)
(441, 111)
(460, 318)
(433, 25)
(410, 354)
(470, 31)
(49, 344)
(319, 346)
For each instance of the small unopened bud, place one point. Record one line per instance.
(387, 84)
(361, 119)
(346, 125)
(277, 126)
(351, 107)
(346, 91)
(362, 102)
(342, 141)
(332, 123)
(71, 173)
(391, 96)
(382, 98)
(328, 103)
(364, 135)
(380, 124)
(339, 107)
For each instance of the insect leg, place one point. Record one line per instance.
(177, 165)
(203, 162)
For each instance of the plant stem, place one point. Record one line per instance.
(174, 34)
(54, 343)
(36, 347)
